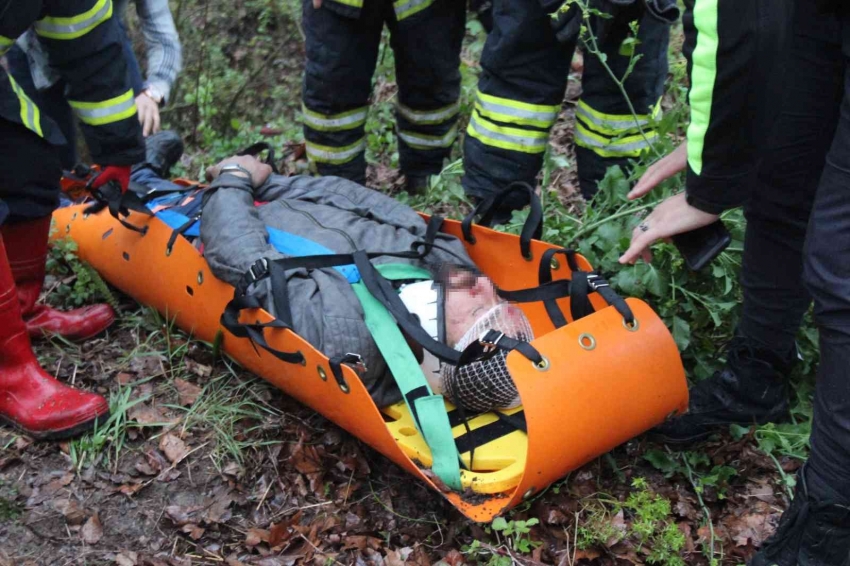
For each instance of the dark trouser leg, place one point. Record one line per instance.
(29, 175)
(775, 298)
(523, 79)
(341, 57)
(827, 276)
(607, 133)
(50, 101)
(427, 57)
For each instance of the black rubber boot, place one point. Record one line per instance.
(162, 150)
(814, 531)
(416, 185)
(752, 388)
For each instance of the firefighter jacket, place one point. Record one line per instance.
(732, 47)
(83, 44)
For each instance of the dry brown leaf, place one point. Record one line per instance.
(173, 448)
(194, 531)
(127, 558)
(187, 393)
(201, 370)
(71, 510)
(255, 536)
(123, 378)
(146, 414)
(92, 531)
(750, 529)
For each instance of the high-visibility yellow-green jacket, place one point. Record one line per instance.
(83, 44)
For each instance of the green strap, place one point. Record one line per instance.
(433, 421)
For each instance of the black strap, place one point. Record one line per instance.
(488, 345)
(435, 223)
(353, 360)
(544, 275)
(257, 149)
(179, 231)
(383, 290)
(490, 432)
(487, 208)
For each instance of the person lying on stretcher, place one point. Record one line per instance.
(252, 214)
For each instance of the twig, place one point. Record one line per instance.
(316, 548)
(702, 504)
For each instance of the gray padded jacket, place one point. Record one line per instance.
(341, 216)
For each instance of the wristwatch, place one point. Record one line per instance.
(153, 93)
(235, 169)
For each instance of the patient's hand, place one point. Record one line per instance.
(259, 171)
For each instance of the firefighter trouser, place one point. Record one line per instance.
(341, 56)
(29, 174)
(521, 88)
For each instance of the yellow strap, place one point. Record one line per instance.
(511, 139)
(30, 114)
(107, 111)
(75, 26)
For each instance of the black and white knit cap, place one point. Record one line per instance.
(487, 385)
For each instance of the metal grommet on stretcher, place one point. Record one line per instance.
(631, 326)
(587, 341)
(322, 375)
(200, 278)
(554, 264)
(542, 365)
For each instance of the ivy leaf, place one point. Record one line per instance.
(499, 524)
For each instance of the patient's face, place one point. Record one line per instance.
(468, 297)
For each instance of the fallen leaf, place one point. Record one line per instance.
(146, 415)
(129, 489)
(173, 448)
(750, 529)
(92, 531)
(187, 393)
(201, 370)
(124, 378)
(179, 515)
(194, 531)
(256, 536)
(71, 510)
(127, 558)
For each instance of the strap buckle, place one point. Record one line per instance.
(356, 362)
(490, 340)
(259, 270)
(596, 281)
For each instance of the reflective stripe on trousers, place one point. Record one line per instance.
(503, 137)
(335, 122)
(335, 155)
(106, 111)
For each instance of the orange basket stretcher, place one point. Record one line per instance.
(603, 383)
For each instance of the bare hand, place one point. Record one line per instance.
(148, 114)
(661, 171)
(671, 217)
(317, 4)
(259, 171)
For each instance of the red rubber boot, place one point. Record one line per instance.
(30, 399)
(27, 252)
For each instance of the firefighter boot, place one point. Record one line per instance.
(814, 531)
(27, 253)
(30, 399)
(752, 388)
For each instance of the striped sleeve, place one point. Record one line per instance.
(732, 48)
(83, 43)
(164, 52)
